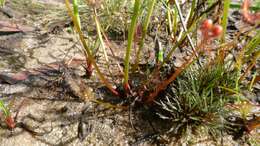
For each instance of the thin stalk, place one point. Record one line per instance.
(103, 47)
(185, 24)
(250, 88)
(175, 19)
(192, 12)
(253, 44)
(109, 105)
(178, 43)
(137, 6)
(188, 16)
(169, 19)
(253, 63)
(247, 50)
(224, 22)
(110, 46)
(76, 11)
(185, 29)
(145, 27)
(87, 49)
(230, 90)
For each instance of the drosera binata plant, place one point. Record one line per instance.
(190, 96)
(209, 32)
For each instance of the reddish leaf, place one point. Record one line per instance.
(257, 79)
(6, 26)
(138, 33)
(10, 122)
(253, 124)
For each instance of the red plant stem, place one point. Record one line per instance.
(166, 82)
(208, 35)
(127, 87)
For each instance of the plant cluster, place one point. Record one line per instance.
(196, 93)
(195, 100)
